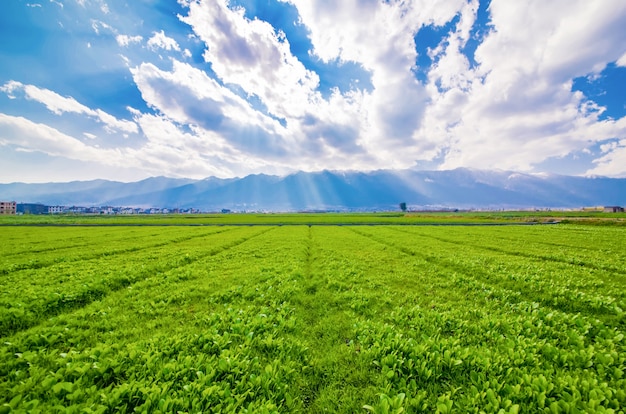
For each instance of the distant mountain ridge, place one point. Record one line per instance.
(333, 190)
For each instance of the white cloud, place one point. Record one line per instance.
(113, 124)
(376, 34)
(250, 54)
(380, 37)
(177, 153)
(168, 150)
(188, 96)
(125, 40)
(53, 101)
(354, 129)
(58, 105)
(32, 136)
(613, 162)
(516, 108)
(238, 138)
(10, 88)
(160, 40)
(511, 107)
(97, 25)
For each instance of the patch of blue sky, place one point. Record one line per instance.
(345, 76)
(482, 26)
(72, 50)
(608, 90)
(18, 106)
(574, 163)
(428, 38)
(29, 37)
(65, 55)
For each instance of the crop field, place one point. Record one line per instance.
(312, 319)
(397, 218)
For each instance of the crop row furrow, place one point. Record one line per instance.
(320, 319)
(103, 240)
(326, 299)
(562, 299)
(222, 320)
(459, 318)
(529, 268)
(550, 244)
(18, 318)
(90, 254)
(39, 240)
(485, 245)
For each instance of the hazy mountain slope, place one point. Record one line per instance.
(95, 192)
(376, 190)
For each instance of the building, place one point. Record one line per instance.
(31, 208)
(56, 209)
(613, 209)
(8, 207)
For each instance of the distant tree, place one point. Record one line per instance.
(403, 206)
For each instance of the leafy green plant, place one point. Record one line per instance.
(381, 319)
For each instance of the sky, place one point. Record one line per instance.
(125, 90)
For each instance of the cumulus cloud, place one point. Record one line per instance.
(612, 162)
(510, 105)
(160, 41)
(125, 40)
(517, 107)
(226, 127)
(380, 37)
(58, 105)
(463, 115)
(257, 58)
(188, 96)
(252, 55)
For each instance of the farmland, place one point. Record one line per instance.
(310, 318)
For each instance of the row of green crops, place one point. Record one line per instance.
(382, 319)
(388, 217)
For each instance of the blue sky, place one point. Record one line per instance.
(125, 90)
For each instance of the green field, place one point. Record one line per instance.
(397, 218)
(285, 318)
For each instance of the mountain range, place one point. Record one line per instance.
(333, 190)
